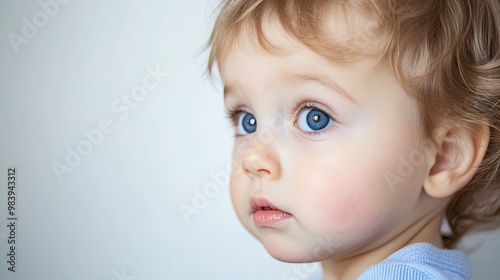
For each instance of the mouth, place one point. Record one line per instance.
(266, 214)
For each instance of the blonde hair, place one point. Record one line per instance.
(446, 53)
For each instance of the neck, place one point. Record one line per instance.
(425, 230)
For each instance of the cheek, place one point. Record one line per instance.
(349, 193)
(334, 202)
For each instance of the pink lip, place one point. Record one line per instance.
(266, 214)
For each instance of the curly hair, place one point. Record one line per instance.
(445, 53)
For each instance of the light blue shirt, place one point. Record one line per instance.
(421, 261)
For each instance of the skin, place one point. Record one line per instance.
(346, 210)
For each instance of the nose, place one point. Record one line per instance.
(260, 160)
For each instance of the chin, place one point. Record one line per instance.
(289, 251)
(290, 255)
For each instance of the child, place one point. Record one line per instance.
(361, 127)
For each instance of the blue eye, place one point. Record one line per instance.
(313, 120)
(247, 124)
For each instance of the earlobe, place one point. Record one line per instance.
(459, 153)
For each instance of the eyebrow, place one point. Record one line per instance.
(302, 79)
(320, 79)
(228, 89)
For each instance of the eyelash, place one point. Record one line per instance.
(305, 105)
(233, 115)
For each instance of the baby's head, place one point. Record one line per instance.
(361, 125)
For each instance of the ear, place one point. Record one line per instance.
(459, 153)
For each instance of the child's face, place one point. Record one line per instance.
(334, 148)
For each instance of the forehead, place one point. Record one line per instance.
(272, 40)
(248, 59)
(342, 33)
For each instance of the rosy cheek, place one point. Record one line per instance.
(337, 200)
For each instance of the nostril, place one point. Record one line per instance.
(257, 172)
(265, 171)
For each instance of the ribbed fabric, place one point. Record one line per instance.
(421, 261)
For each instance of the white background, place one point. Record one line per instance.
(116, 214)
